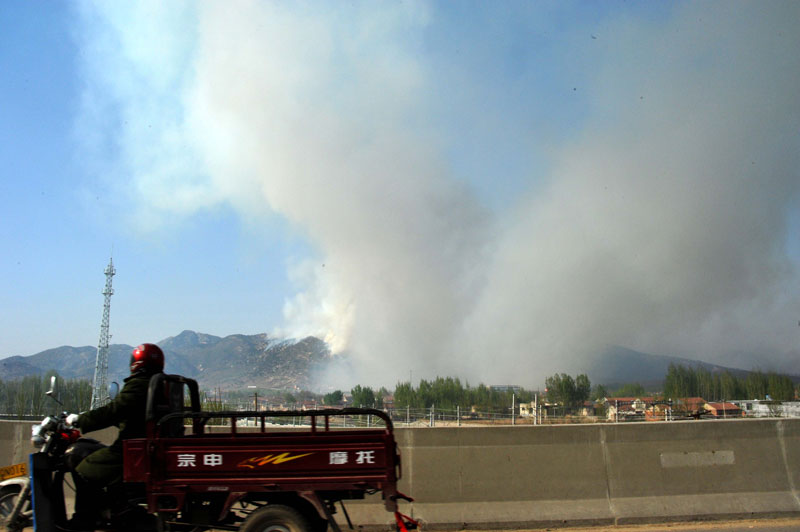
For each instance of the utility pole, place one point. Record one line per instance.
(513, 409)
(100, 385)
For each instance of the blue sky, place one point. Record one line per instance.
(438, 185)
(207, 273)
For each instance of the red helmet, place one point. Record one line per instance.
(147, 357)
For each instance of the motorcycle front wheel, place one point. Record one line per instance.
(8, 498)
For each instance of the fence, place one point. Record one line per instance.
(614, 411)
(439, 417)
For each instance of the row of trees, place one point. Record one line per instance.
(682, 381)
(568, 391)
(446, 393)
(366, 397)
(27, 396)
(564, 390)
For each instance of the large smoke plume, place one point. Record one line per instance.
(663, 224)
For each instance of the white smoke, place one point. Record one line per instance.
(665, 225)
(662, 226)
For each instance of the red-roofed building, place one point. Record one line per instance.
(723, 410)
(626, 408)
(689, 407)
(693, 403)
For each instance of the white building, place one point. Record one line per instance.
(758, 408)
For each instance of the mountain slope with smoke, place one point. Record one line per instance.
(661, 224)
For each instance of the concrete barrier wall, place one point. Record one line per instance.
(595, 474)
(15, 440)
(15, 437)
(620, 473)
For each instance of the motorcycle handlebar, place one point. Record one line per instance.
(43, 434)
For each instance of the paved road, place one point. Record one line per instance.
(750, 525)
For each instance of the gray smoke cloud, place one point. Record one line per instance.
(662, 225)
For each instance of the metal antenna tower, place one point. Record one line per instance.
(100, 386)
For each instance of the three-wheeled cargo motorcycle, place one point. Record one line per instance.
(189, 475)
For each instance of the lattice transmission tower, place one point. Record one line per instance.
(100, 386)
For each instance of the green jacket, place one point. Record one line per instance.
(126, 411)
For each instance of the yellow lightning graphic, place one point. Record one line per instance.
(258, 461)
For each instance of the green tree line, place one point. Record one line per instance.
(682, 381)
(449, 392)
(27, 396)
(446, 393)
(564, 390)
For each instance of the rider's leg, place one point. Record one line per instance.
(96, 471)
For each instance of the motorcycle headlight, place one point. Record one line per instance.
(36, 437)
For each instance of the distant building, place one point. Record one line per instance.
(626, 408)
(659, 411)
(692, 403)
(758, 408)
(588, 409)
(388, 402)
(723, 410)
(308, 405)
(505, 388)
(689, 407)
(527, 409)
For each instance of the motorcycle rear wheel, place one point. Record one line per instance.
(275, 518)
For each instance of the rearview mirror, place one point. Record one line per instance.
(52, 392)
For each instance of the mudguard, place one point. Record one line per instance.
(17, 517)
(16, 481)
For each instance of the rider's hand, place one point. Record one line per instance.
(72, 420)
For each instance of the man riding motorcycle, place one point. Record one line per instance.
(103, 467)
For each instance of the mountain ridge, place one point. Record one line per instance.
(227, 362)
(619, 365)
(240, 360)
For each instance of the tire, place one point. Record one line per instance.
(8, 494)
(8, 498)
(318, 524)
(275, 518)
